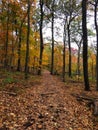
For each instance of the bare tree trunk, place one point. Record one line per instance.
(7, 39)
(12, 49)
(92, 69)
(41, 37)
(19, 43)
(27, 43)
(96, 26)
(64, 51)
(52, 30)
(85, 45)
(78, 62)
(19, 49)
(52, 57)
(78, 59)
(68, 28)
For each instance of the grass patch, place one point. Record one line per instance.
(9, 80)
(15, 81)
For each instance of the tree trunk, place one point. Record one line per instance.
(78, 59)
(92, 70)
(41, 37)
(27, 43)
(7, 39)
(78, 63)
(12, 48)
(96, 26)
(52, 30)
(85, 45)
(64, 51)
(19, 49)
(19, 43)
(69, 45)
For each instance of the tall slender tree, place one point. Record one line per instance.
(20, 40)
(19, 48)
(41, 36)
(76, 37)
(71, 9)
(51, 6)
(69, 46)
(7, 37)
(85, 44)
(12, 49)
(27, 43)
(96, 27)
(64, 50)
(52, 30)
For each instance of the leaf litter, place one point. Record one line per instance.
(47, 105)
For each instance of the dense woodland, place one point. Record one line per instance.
(48, 64)
(23, 48)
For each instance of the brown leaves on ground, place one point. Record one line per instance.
(44, 105)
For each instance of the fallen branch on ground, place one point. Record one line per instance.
(44, 94)
(92, 101)
(10, 93)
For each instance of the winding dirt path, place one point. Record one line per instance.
(45, 106)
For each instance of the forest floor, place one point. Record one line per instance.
(44, 103)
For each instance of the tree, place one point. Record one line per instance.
(21, 22)
(41, 36)
(85, 44)
(71, 9)
(51, 9)
(91, 61)
(52, 30)
(94, 3)
(27, 43)
(7, 37)
(96, 27)
(76, 36)
(64, 49)
(74, 10)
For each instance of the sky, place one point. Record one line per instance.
(58, 35)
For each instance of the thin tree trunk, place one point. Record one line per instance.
(2, 28)
(7, 39)
(64, 51)
(68, 28)
(78, 59)
(12, 49)
(52, 56)
(41, 37)
(19, 43)
(96, 26)
(19, 49)
(52, 30)
(27, 43)
(92, 69)
(85, 45)
(78, 62)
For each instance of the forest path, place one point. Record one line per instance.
(58, 109)
(47, 105)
